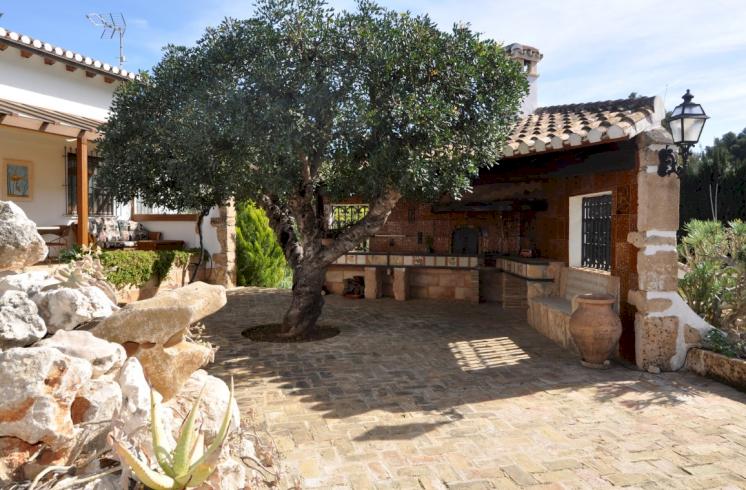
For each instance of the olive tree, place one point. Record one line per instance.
(300, 106)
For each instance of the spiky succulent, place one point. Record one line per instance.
(188, 464)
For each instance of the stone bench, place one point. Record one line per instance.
(550, 314)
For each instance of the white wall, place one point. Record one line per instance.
(46, 152)
(30, 81)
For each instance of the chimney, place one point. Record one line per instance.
(529, 57)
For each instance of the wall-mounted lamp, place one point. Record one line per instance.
(686, 123)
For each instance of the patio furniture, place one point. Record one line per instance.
(108, 232)
(160, 244)
(550, 314)
(55, 237)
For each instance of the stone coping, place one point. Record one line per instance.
(729, 370)
(413, 260)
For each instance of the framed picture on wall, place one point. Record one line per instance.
(18, 179)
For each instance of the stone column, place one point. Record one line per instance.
(665, 326)
(373, 282)
(401, 284)
(224, 262)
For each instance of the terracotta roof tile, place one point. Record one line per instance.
(48, 50)
(564, 126)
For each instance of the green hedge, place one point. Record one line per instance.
(136, 267)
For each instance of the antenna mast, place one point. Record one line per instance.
(111, 25)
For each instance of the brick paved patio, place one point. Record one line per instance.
(428, 394)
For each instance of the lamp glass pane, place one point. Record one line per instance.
(694, 109)
(677, 110)
(676, 130)
(692, 129)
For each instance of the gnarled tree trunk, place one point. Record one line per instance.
(309, 258)
(305, 307)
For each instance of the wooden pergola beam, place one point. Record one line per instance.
(81, 196)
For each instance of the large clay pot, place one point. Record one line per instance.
(595, 328)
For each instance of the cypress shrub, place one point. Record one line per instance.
(259, 258)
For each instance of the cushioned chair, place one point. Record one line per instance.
(113, 233)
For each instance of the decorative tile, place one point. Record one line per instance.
(440, 261)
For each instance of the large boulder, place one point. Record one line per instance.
(37, 387)
(20, 243)
(105, 357)
(159, 319)
(66, 308)
(154, 331)
(29, 282)
(20, 323)
(168, 368)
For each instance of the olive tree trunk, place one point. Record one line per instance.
(299, 228)
(307, 303)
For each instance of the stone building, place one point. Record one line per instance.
(574, 206)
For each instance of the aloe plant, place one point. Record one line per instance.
(188, 464)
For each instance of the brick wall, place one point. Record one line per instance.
(554, 177)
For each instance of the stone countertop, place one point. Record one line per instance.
(525, 260)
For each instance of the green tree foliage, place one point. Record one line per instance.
(301, 106)
(715, 185)
(259, 258)
(715, 282)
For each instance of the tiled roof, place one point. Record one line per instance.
(564, 126)
(49, 51)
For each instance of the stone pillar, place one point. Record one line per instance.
(224, 261)
(665, 326)
(373, 282)
(401, 284)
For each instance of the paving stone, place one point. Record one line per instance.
(441, 395)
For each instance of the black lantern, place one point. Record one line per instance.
(686, 123)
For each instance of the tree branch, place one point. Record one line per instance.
(379, 211)
(282, 225)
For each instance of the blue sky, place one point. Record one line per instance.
(592, 50)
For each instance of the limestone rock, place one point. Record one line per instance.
(164, 318)
(20, 323)
(98, 400)
(14, 453)
(168, 368)
(229, 473)
(29, 282)
(20, 243)
(134, 414)
(37, 387)
(104, 356)
(66, 308)
(211, 408)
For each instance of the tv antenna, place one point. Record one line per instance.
(112, 25)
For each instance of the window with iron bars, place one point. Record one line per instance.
(596, 232)
(98, 203)
(344, 215)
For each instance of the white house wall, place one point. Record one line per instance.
(46, 152)
(30, 81)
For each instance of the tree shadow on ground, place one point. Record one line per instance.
(439, 359)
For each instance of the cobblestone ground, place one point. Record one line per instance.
(427, 394)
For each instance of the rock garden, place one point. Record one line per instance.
(76, 378)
